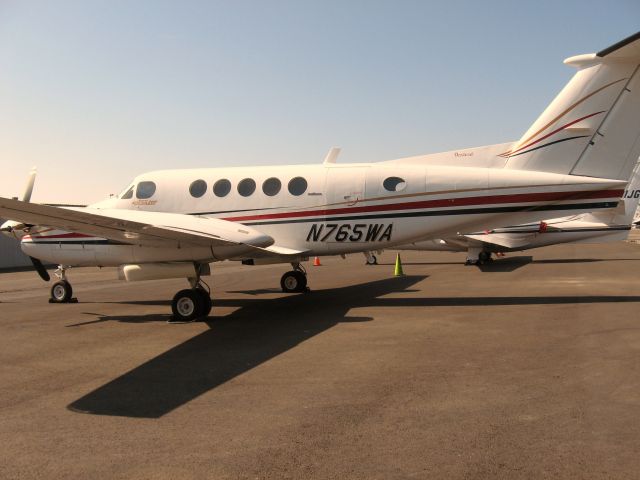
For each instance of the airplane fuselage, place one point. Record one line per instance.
(330, 209)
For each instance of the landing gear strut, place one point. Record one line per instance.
(371, 259)
(294, 281)
(192, 303)
(61, 291)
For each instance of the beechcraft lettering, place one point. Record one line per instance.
(359, 232)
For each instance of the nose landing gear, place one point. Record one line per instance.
(294, 281)
(61, 291)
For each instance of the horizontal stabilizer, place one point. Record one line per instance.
(509, 240)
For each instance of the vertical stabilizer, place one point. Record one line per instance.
(592, 128)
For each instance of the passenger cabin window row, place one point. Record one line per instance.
(246, 187)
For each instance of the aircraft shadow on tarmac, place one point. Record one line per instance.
(258, 331)
(509, 264)
(584, 260)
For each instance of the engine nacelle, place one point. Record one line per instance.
(159, 271)
(13, 229)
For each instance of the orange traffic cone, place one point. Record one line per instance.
(316, 262)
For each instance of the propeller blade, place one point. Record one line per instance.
(37, 264)
(26, 196)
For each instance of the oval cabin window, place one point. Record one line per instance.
(271, 186)
(394, 184)
(297, 186)
(198, 188)
(222, 187)
(246, 187)
(145, 190)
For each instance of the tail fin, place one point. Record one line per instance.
(592, 128)
(623, 214)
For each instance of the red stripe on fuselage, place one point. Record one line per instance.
(447, 202)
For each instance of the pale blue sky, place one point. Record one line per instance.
(95, 92)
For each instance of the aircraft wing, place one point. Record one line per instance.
(136, 227)
(506, 240)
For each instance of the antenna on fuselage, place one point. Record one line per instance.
(332, 156)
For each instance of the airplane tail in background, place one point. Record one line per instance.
(624, 213)
(592, 128)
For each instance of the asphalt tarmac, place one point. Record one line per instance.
(527, 368)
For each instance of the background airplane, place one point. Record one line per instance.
(576, 157)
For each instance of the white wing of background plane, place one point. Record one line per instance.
(510, 240)
(136, 227)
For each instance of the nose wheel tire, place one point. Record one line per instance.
(293, 282)
(190, 304)
(61, 292)
(372, 260)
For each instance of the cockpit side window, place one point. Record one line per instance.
(128, 194)
(145, 190)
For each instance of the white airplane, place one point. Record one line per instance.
(576, 157)
(636, 218)
(596, 227)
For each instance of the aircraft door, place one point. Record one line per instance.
(345, 187)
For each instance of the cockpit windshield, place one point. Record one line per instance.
(128, 193)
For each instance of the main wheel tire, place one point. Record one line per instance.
(293, 281)
(186, 306)
(61, 292)
(484, 257)
(205, 304)
(372, 260)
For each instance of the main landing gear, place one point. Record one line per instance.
(478, 257)
(294, 281)
(61, 291)
(485, 257)
(191, 303)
